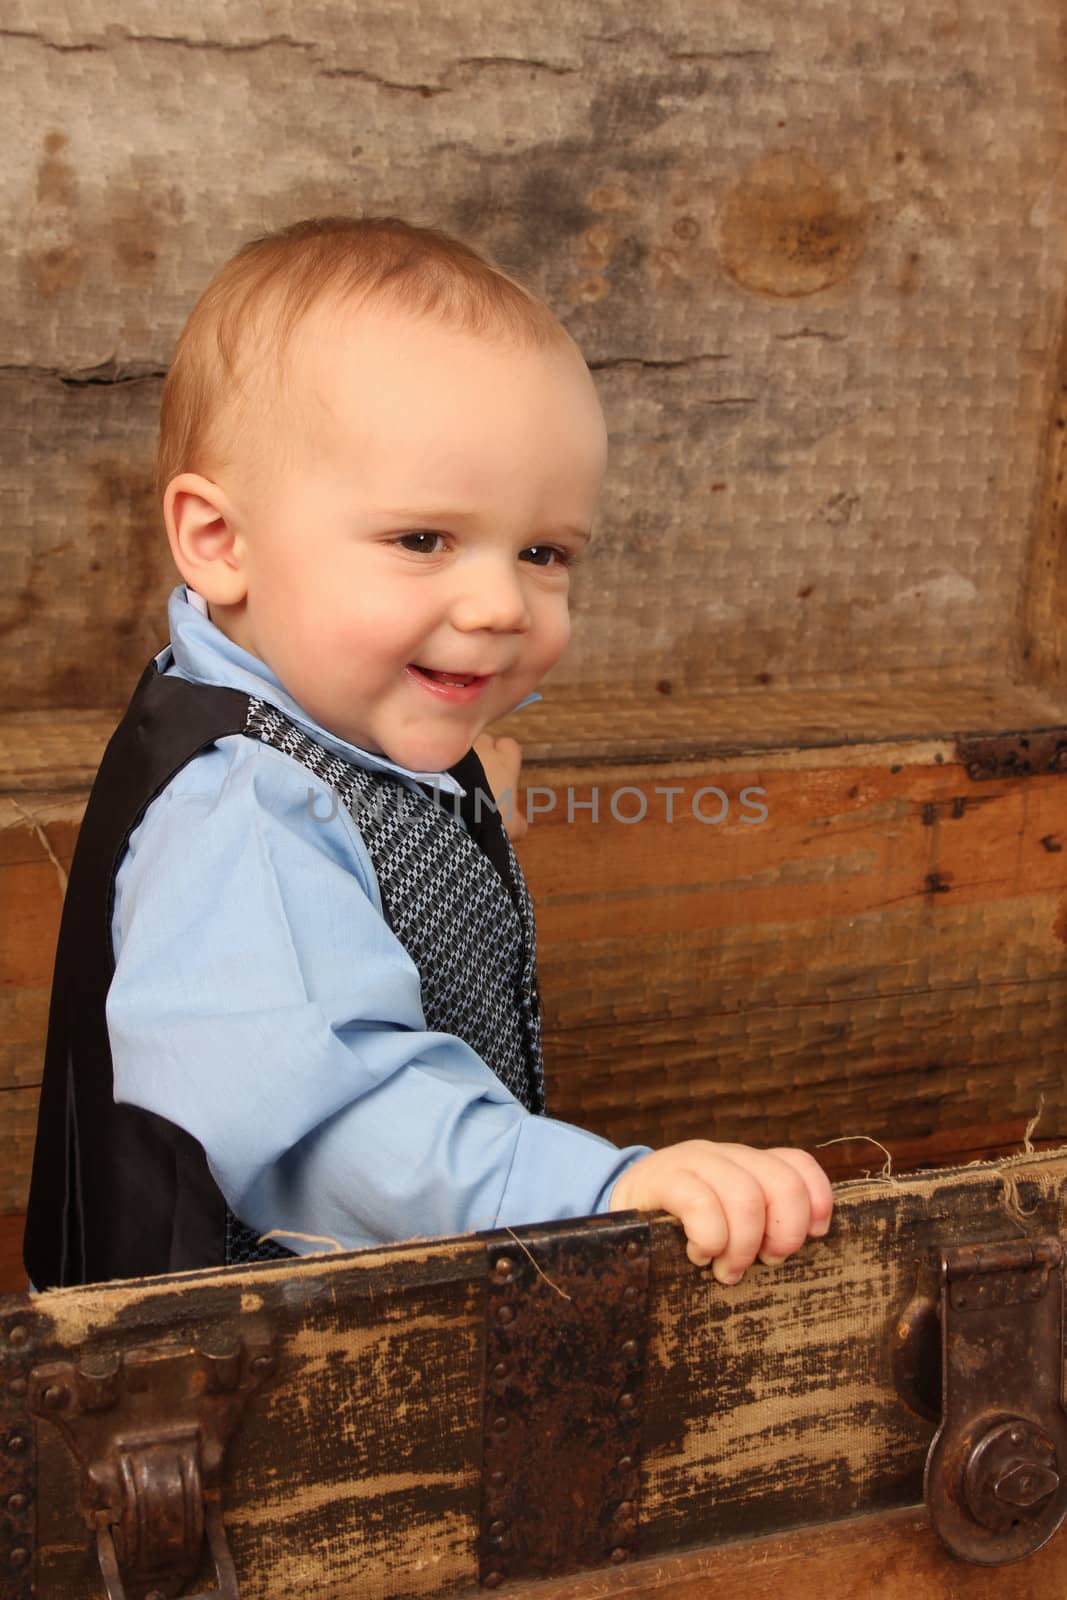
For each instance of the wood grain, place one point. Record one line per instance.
(766, 1408)
(825, 337)
(883, 955)
(887, 1557)
(18, 1124)
(12, 1272)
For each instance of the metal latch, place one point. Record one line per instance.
(996, 1472)
(149, 1429)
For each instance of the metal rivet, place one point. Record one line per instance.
(493, 1580)
(497, 1528)
(629, 1349)
(500, 1424)
(18, 1335)
(17, 1444)
(625, 1508)
(619, 1553)
(626, 1402)
(503, 1266)
(17, 1386)
(1035, 1291)
(17, 1504)
(634, 1249)
(261, 1364)
(506, 1314)
(19, 1556)
(500, 1370)
(497, 1479)
(55, 1397)
(624, 1463)
(1016, 1436)
(630, 1292)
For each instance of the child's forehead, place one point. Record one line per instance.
(346, 367)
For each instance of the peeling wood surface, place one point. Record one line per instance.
(825, 335)
(355, 1473)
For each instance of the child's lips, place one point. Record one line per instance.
(440, 675)
(448, 685)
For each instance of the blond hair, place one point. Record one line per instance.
(245, 317)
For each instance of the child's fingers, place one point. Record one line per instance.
(786, 1205)
(734, 1202)
(743, 1203)
(509, 750)
(820, 1190)
(697, 1206)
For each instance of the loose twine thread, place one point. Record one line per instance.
(538, 1269)
(853, 1138)
(1009, 1180)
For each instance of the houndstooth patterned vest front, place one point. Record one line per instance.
(469, 932)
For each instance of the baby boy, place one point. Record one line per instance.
(295, 1002)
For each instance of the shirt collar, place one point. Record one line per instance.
(203, 653)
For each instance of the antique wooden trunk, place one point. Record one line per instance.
(798, 792)
(568, 1411)
(798, 788)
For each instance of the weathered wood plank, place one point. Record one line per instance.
(795, 1408)
(766, 1407)
(909, 1069)
(873, 958)
(801, 378)
(18, 1126)
(888, 1557)
(1045, 618)
(12, 1272)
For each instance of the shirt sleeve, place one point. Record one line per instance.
(262, 1003)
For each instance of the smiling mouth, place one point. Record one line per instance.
(452, 680)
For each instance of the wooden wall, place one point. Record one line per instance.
(815, 256)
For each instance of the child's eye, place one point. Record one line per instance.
(544, 555)
(420, 543)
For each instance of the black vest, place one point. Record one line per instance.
(120, 1192)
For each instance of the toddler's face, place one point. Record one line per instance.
(405, 535)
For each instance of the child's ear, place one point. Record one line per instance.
(203, 540)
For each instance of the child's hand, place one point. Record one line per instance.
(502, 758)
(734, 1202)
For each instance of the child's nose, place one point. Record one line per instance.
(492, 597)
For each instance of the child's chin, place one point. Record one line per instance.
(433, 756)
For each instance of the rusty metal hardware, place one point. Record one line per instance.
(21, 1328)
(566, 1319)
(996, 1473)
(149, 1430)
(916, 1352)
(1013, 755)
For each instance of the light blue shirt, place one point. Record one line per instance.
(262, 1003)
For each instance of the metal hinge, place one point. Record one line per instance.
(996, 1472)
(149, 1429)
